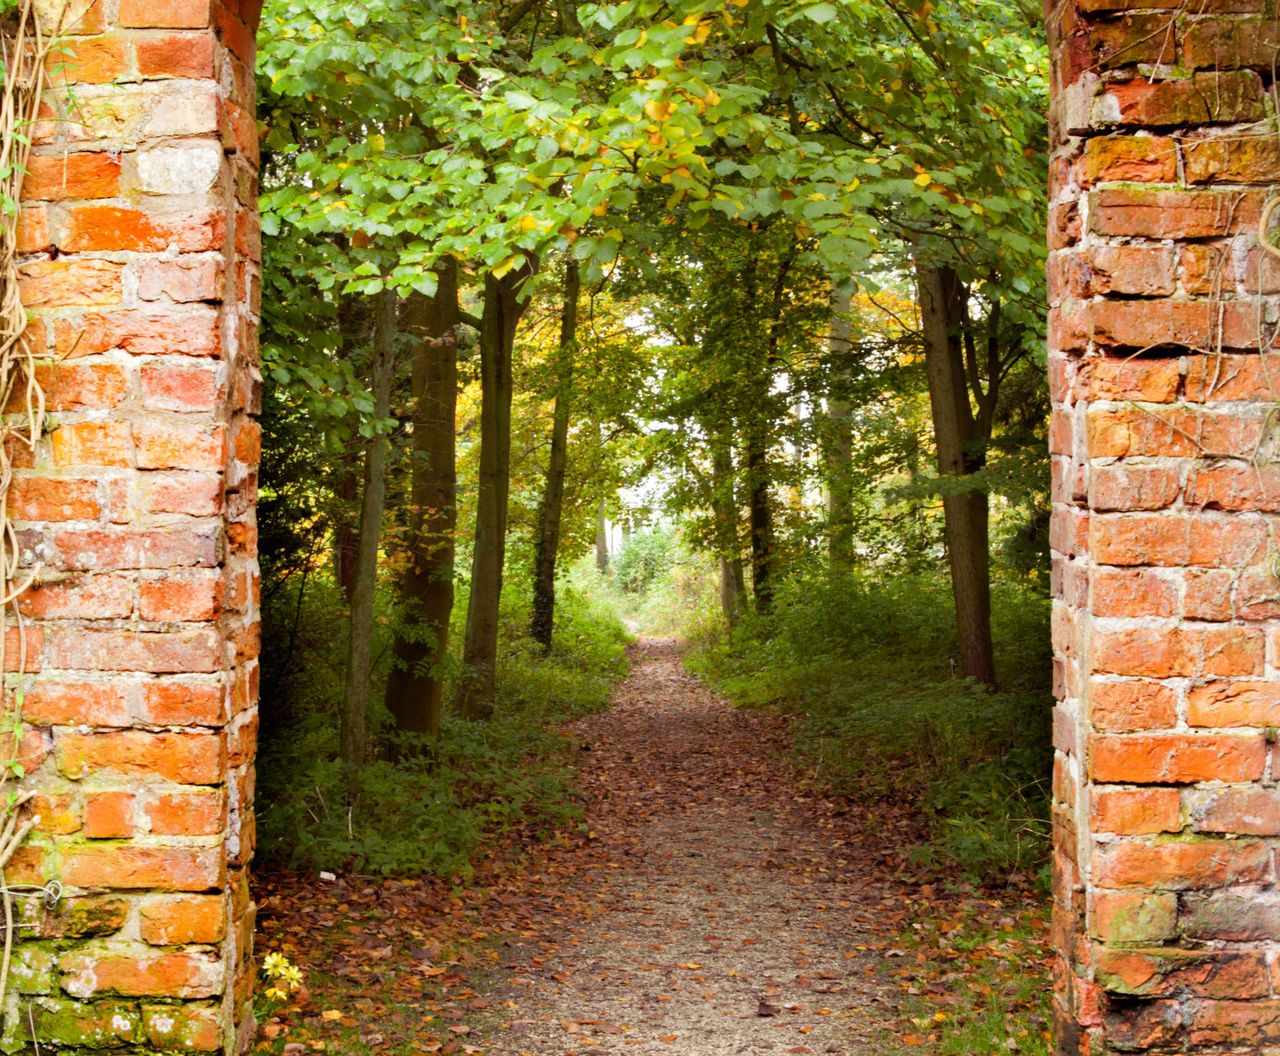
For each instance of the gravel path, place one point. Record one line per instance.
(715, 908)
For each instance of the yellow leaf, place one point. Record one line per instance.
(528, 222)
(923, 180)
(659, 109)
(331, 1014)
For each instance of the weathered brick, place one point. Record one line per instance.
(109, 227)
(1136, 812)
(109, 815)
(1138, 159)
(1177, 758)
(133, 867)
(1132, 705)
(1172, 214)
(175, 55)
(186, 758)
(1226, 97)
(1181, 864)
(1164, 972)
(163, 975)
(54, 177)
(1226, 704)
(1127, 918)
(91, 549)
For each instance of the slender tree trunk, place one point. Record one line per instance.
(602, 540)
(840, 452)
(725, 511)
(542, 623)
(345, 541)
(475, 697)
(961, 451)
(372, 503)
(415, 688)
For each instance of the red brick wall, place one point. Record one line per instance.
(1164, 440)
(141, 278)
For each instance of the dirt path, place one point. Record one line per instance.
(715, 909)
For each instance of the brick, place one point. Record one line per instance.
(73, 386)
(1172, 214)
(1227, 704)
(181, 599)
(175, 55)
(165, 14)
(169, 652)
(1229, 44)
(109, 815)
(33, 232)
(1235, 487)
(1156, 652)
(1138, 159)
(1136, 812)
(54, 499)
(1225, 97)
(1177, 758)
(92, 549)
(186, 813)
(1208, 594)
(174, 387)
(186, 758)
(110, 227)
(92, 444)
(129, 117)
(87, 60)
(163, 975)
(131, 867)
(1132, 592)
(1126, 487)
(195, 494)
(1123, 917)
(185, 1028)
(69, 283)
(56, 814)
(55, 177)
(1235, 916)
(1166, 972)
(1234, 1023)
(1226, 378)
(1243, 811)
(1181, 864)
(1201, 325)
(1137, 705)
(1134, 37)
(193, 332)
(81, 597)
(1140, 540)
(74, 703)
(1231, 158)
(180, 280)
(178, 446)
(174, 703)
(1143, 380)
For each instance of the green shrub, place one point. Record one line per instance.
(866, 665)
(646, 557)
(429, 813)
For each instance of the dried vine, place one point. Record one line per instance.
(25, 48)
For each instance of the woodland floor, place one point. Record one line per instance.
(712, 905)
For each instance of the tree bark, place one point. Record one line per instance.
(353, 734)
(542, 622)
(415, 688)
(725, 511)
(840, 450)
(502, 309)
(961, 446)
(602, 540)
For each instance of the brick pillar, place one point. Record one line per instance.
(141, 278)
(1165, 436)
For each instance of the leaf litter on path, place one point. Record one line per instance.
(711, 905)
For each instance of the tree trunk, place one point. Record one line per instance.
(415, 688)
(542, 622)
(602, 540)
(372, 502)
(840, 451)
(961, 452)
(502, 308)
(725, 511)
